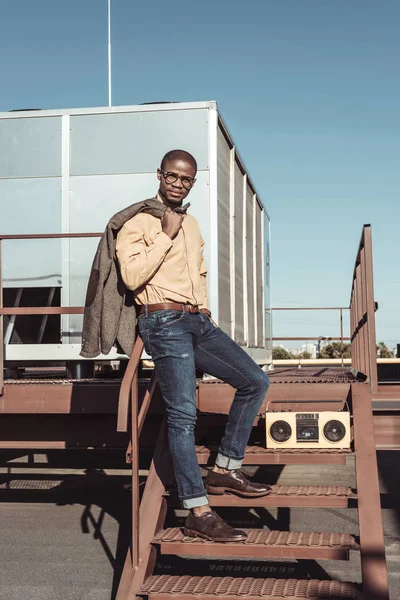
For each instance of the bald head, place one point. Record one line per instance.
(179, 155)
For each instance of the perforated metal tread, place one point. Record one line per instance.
(261, 543)
(291, 495)
(312, 375)
(258, 455)
(186, 587)
(52, 381)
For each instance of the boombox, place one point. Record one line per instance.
(308, 430)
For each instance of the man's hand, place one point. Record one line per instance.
(171, 223)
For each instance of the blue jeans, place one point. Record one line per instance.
(180, 342)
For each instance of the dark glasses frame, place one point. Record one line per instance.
(186, 181)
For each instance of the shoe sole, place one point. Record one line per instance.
(194, 534)
(219, 491)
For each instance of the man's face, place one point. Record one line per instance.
(184, 175)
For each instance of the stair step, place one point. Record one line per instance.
(262, 543)
(310, 496)
(178, 587)
(258, 455)
(291, 495)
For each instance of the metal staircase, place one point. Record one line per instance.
(291, 389)
(153, 538)
(150, 538)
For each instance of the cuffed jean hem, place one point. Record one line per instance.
(195, 502)
(224, 462)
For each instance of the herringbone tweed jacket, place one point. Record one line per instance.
(110, 315)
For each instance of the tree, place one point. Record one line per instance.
(382, 351)
(305, 355)
(279, 353)
(334, 350)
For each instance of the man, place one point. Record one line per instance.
(161, 260)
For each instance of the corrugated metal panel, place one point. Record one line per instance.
(267, 285)
(268, 332)
(31, 206)
(238, 253)
(224, 250)
(250, 266)
(81, 254)
(259, 277)
(136, 142)
(120, 152)
(30, 147)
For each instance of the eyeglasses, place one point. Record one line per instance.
(169, 177)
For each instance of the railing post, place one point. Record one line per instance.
(372, 544)
(341, 335)
(1, 332)
(362, 334)
(135, 472)
(369, 276)
(123, 403)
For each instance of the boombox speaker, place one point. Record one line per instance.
(308, 430)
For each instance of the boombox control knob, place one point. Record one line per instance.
(280, 431)
(334, 431)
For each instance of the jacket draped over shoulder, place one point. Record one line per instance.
(110, 315)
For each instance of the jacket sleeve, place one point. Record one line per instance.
(203, 277)
(140, 258)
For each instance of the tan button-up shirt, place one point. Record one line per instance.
(159, 269)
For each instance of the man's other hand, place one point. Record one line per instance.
(171, 223)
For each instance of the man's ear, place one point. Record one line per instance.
(159, 174)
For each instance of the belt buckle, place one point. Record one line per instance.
(190, 308)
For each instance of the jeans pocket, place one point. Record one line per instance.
(144, 332)
(168, 316)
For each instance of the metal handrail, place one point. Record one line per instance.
(33, 310)
(342, 338)
(362, 312)
(47, 236)
(129, 390)
(129, 384)
(42, 310)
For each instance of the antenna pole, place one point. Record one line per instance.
(109, 52)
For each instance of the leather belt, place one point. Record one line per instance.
(148, 308)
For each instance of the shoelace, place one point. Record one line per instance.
(218, 519)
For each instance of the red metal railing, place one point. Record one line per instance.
(362, 312)
(129, 385)
(129, 391)
(37, 310)
(341, 338)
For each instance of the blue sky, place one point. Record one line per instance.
(310, 91)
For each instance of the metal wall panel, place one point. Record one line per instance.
(30, 147)
(135, 142)
(250, 265)
(267, 286)
(31, 206)
(238, 253)
(224, 249)
(109, 164)
(93, 201)
(259, 277)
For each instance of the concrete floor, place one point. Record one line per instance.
(64, 531)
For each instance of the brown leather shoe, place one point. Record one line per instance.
(211, 527)
(235, 482)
